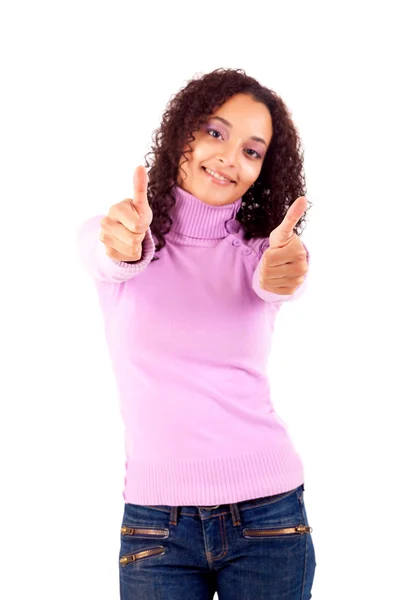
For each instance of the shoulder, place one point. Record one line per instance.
(258, 245)
(254, 246)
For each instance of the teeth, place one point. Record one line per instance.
(214, 174)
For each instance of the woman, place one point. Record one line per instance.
(191, 273)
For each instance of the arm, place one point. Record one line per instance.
(277, 298)
(102, 267)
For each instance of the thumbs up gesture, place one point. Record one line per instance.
(284, 263)
(124, 229)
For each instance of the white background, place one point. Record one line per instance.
(83, 86)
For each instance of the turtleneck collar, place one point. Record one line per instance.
(196, 219)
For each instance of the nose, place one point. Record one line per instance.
(227, 154)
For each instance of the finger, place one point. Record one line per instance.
(292, 217)
(140, 182)
(115, 255)
(288, 270)
(283, 256)
(123, 213)
(277, 256)
(129, 246)
(294, 214)
(282, 290)
(119, 232)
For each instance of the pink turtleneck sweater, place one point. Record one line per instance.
(189, 337)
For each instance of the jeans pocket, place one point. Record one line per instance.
(140, 524)
(139, 555)
(283, 518)
(144, 531)
(258, 532)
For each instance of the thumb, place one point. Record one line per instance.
(282, 234)
(140, 182)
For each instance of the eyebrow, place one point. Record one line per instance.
(253, 137)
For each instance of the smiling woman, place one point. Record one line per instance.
(227, 122)
(227, 153)
(214, 487)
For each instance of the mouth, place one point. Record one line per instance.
(217, 177)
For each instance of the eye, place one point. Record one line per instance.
(214, 131)
(211, 131)
(257, 155)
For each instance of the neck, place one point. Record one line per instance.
(196, 220)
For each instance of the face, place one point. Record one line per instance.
(233, 142)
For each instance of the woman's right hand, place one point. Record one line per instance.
(124, 229)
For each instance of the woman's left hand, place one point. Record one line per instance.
(284, 263)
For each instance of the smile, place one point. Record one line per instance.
(217, 178)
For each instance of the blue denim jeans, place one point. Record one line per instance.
(258, 549)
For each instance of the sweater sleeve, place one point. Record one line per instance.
(96, 261)
(277, 298)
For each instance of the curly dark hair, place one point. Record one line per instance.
(281, 180)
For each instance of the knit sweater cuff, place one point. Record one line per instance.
(105, 268)
(148, 251)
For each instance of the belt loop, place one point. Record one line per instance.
(173, 516)
(235, 514)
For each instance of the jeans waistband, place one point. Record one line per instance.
(235, 507)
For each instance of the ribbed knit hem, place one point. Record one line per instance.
(212, 481)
